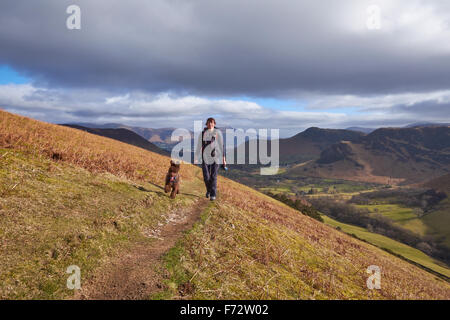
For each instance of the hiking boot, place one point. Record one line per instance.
(207, 194)
(212, 198)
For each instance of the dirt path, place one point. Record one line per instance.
(132, 274)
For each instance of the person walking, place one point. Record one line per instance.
(210, 144)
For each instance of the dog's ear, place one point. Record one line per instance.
(172, 163)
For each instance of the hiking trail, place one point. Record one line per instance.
(132, 274)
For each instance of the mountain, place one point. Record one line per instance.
(309, 144)
(361, 129)
(427, 124)
(123, 135)
(73, 198)
(97, 125)
(161, 137)
(387, 155)
(441, 183)
(311, 141)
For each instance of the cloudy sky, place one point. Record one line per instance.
(285, 64)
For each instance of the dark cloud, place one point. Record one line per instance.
(430, 110)
(203, 47)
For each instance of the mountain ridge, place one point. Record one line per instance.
(123, 135)
(388, 155)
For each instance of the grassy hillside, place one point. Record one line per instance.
(160, 137)
(403, 216)
(70, 197)
(392, 245)
(124, 135)
(261, 249)
(438, 219)
(427, 212)
(53, 215)
(441, 183)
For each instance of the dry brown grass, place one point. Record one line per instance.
(254, 247)
(94, 153)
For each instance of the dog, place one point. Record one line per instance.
(173, 179)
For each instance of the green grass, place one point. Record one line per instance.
(438, 221)
(53, 215)
(242, 264)
(403, 216)
(233, 253)
(387, 243)
(435, 223)
(173, 266)
(322, 187)
(394, 212)
(277, 190)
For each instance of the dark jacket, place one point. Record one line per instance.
(213, 137)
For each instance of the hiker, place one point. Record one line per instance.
(210, 139)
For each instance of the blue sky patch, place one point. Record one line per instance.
(8, 75)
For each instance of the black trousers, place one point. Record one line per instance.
(210, 177)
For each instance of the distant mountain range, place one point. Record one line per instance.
(412, 125)
(413, 154)
(427, 124)
(124, 135)
(308, 144)
(159, 137)
(387, 155)
(361, 129)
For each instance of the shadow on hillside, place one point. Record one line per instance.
(190, 194)
(141, 188)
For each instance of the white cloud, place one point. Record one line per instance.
(168, 110)
(117, 99)
(378, 101)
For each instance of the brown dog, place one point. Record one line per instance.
(173, 179)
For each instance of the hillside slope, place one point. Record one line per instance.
(70, 197)
(308, 145)
(441, 183)
(124, 135)
(387, 155)
(150, 134)
(439, 217)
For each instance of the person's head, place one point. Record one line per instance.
(210, 123)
